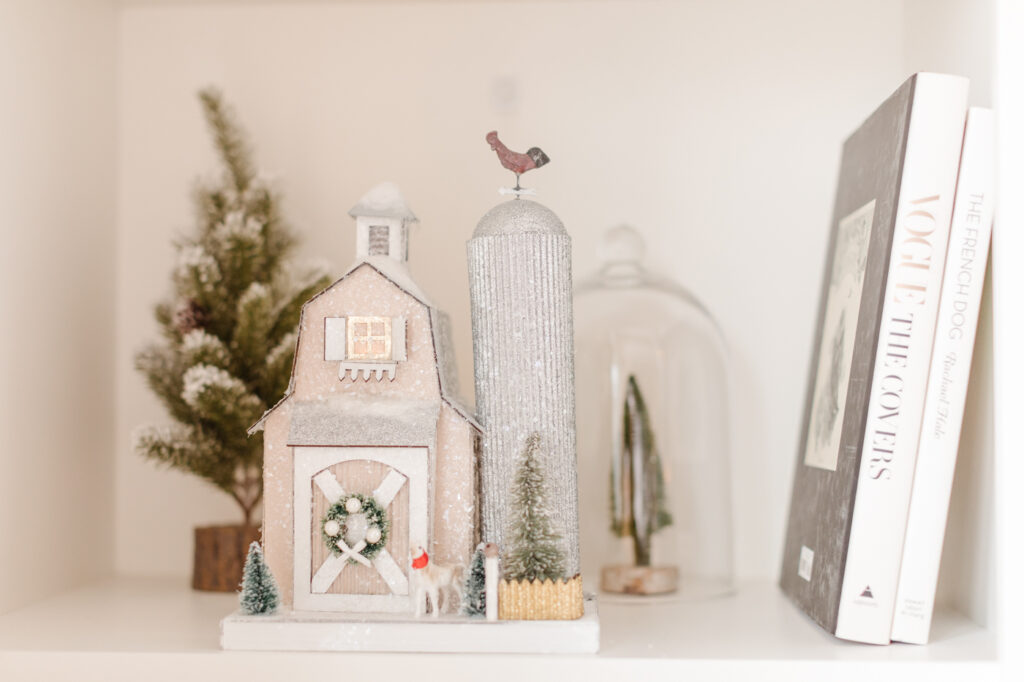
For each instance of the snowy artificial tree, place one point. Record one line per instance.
(259, 589)
(228, 340)
(534, 551)
(474, 589)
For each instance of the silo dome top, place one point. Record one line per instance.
(519, 216)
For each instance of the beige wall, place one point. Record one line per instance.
(56, 295)
(952, 36)
(1006, 589)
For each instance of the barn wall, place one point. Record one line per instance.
(278, 491)
(454, 489)
(366, 292)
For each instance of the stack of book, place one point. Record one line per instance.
(888, 382)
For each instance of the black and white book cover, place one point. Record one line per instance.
(866, 384)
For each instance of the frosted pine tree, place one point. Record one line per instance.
(534, 551)
(474, 594)
(229, 329)
(259, 589)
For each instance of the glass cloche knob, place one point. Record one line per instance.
(622, 244)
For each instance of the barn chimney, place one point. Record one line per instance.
(382, 223)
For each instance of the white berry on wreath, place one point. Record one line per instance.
(373, 535)
(332, 528)
(353, 505)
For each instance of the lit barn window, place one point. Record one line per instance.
(379, 240)
(369, 338)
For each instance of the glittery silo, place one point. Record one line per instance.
(520, 283)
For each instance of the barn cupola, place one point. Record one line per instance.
(382, 223)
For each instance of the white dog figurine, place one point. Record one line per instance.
(430, 580)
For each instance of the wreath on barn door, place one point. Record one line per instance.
(357, 517)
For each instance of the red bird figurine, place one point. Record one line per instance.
(514, 161)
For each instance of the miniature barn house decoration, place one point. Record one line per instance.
(379, 483)
(370, 454)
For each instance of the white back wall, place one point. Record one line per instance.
(56, 295)
(715, 128)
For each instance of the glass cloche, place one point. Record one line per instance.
(653, 433)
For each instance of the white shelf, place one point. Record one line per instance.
(119, 628)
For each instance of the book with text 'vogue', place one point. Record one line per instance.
(876, 326)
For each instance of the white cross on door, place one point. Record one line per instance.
(383, 561)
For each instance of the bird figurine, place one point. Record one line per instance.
(515, 161)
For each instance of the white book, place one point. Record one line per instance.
(947, 382)
(902, 359)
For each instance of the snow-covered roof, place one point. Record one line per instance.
(394, 270)
(441, 328)
(357, 420)
(384, 201)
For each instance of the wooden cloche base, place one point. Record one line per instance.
(643, 580)
(220, 556)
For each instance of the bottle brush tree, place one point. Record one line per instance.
(474, 590)
(259, 589)
(535, 551)
(229, 328)
(639, 508)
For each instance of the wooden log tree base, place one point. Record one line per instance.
(219, 558)
(643, 580)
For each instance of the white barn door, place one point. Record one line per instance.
(337, 573)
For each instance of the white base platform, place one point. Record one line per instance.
(314, 631)
(159, 630)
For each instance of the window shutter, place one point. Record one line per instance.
(335, 340)
(398, 339)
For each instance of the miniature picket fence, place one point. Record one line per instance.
(541, 600)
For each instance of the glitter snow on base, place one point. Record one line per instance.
(296, 631)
